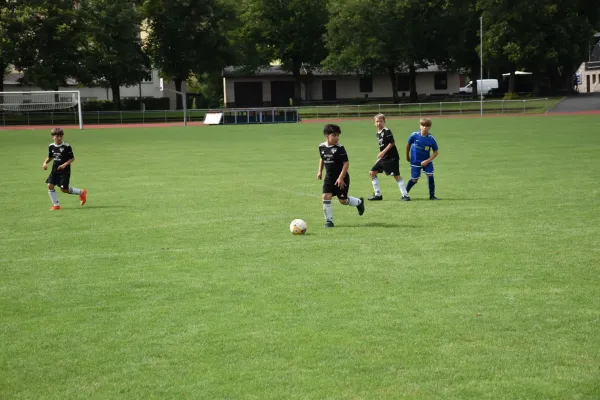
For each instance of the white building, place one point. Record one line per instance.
(274, 87)
(588, 74)
(147, 88)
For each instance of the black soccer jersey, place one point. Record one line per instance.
(334, 158)
(385, 137)
(60, 154)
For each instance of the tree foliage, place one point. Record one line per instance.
(113, 55)
(289, 31)
(187, 36)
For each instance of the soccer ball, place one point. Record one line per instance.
(298, 227)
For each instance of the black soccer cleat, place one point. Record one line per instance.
(328, 224)
(405, 198)
(433, 198)
(361, 206)
(376, 197)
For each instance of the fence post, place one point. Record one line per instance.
(440, 108)
(165, 115)
(460, 106)
(502, 106)
(143, 116)
(359, 111)
(121, 116)
(420, 109)
(28, 123)
(52, 117)
(400, 109)
(524, 106)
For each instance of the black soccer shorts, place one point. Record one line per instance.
(329, 186)
(59, 179)
(389, 166)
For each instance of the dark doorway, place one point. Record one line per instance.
(248, 94)
(281, 92)
(329, 90)
(588, 83)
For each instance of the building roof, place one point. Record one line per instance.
(275, 70)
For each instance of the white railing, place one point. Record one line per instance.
(305, 112)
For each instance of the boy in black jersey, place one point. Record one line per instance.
(62, 154)
(337, 180)
(388, 160)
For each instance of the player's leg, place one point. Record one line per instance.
(52, 193)
(328, 191)
(394, 170)
(64, 186)
(415, 173)
(375, 181)
(343, 197)
(430, 180)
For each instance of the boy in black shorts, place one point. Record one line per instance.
(388, 160)
(62, 154)
(337, 180)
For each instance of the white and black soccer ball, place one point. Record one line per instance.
(298, 227)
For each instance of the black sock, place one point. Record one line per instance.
(431, 185)
(411, 183)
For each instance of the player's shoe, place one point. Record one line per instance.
(376, 197)
(83, 197)
(328, 224)
(433, 198)
(405, 198)
(361, 206)
(54, 208)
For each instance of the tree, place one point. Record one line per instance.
(187, 36)
(381, 36)
(47, 42)
(547, 38)
(113, 56)
(289, 31)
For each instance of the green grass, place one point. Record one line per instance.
(180, 279)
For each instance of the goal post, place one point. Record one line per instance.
(20, 102)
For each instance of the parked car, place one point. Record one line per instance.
(485, 86)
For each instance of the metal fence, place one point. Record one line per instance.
(305, 112)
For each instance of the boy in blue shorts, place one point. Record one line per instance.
(418, 154)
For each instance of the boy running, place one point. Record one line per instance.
(337, 180)
(388, 160)
(62, 154)
(418, 153)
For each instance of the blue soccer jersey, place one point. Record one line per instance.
(421, 147)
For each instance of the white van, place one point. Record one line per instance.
(484, 86)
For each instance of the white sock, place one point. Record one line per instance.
(353, 201)
(74, 191)
(327, 211)
(375, 183)
(402, 187)
(53, 197)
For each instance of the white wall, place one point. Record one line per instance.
(348, 87)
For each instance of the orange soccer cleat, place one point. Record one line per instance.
(54, 208)
(83, 197)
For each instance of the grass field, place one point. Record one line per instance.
(180, 278)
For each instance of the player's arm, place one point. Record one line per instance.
(387, 148)
(408, 152)
(46, 161)
(320, 171)
(430, 159)
(340, 181)
(66, 163)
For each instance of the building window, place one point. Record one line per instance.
(403, 82)
(366, 84)
(147, 78)
(440, 81)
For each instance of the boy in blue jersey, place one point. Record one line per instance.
(418, 154)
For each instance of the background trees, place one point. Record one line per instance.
(100, 42)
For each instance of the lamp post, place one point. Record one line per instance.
(481, 64)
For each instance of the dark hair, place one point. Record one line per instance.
(57, 131)
(331, 128)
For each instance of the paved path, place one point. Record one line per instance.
(577, 103)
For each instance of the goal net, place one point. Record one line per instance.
(23, 102)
